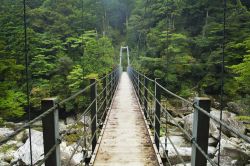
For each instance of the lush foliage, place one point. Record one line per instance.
(66, 45)
(181, 42)
(178, 41)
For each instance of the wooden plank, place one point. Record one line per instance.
(125, 140)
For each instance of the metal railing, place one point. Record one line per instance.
(101, 92)
(149, 93)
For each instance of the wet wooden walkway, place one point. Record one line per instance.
(125, 139)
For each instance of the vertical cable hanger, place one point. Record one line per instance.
(27, 73)
(84, 149)
(222, 73)
(166, 127)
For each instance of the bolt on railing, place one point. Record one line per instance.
(152, 106)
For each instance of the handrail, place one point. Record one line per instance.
(136, 78)
(109, 88)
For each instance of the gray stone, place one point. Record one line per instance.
(234, 107)
(37, 148)
(62, 126)
(85, 120)
(183, 147)
(211, 150)
(5, 132)
(9, 156)
(66, 152)
(77, 158)
(188, 125)
(70, 120)
(22, 136)
(230, 119)
(232, 151)
(212, 141)
(3, 163)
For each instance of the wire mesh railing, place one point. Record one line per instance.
(149, 94)
(101, 93)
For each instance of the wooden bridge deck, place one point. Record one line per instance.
(125, 139)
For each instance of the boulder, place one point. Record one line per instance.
(188, 125)
(183, 147)
(211, 151)
(77, 158)
(3, 163)
(212, 141)
(22, 136)
(234, 107)
(177, 141)
(230, 119)
(216, 105)
(176, 120)
(5, 132)
(66, 152)
(70, 120)
(23, 153)
(85, 121)
(9, 156)
(232, 152)
(62, 127)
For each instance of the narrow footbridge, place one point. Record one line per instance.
(125, 139)
(123, 123)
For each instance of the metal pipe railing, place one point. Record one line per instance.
(199, 139)
(50, 118)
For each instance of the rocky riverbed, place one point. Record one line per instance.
(16, 152)
(234, 151)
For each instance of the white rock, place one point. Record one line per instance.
(231, 151)
(62, 126)
(3, 163)
(9, 156)
(177, 141)
(85, 120)
(1, 156)
(212, 141)
(77, 158)
(229, 119)
(211, 150)
(188, 125)
(5, 132)
(11, 142)
(19, 144)
(183, 148)
(23, 153)
(22, 136)
(70, 120)
(38, 123)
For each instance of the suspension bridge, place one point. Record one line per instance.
(123, 122)
(125, 125)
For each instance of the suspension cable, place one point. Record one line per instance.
(27, 74)
(222, 74)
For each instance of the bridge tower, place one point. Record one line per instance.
(121, 49)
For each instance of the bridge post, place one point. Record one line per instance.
(145, 97)
(200, 131)
(51, 132)
(93, 94)
(139, 88)
(109, 88)
(113, 82)
(138, 85)
(105, 96)
(157, 115)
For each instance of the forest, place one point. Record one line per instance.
(69, 41)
